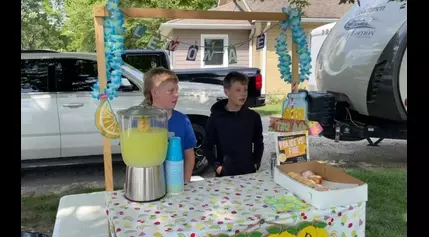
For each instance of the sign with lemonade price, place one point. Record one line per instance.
(291, 148)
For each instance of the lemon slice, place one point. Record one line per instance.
(105, 120)
(282, 157)
(143, 125)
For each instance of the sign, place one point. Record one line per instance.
(292, 148)
(192, 53)
(283, 125)
(172, 45)
(139, 31)
(153, 42)
(260, 41)
(232, 55)
(208, 54)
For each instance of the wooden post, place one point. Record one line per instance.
(101, 66)
(295, 68)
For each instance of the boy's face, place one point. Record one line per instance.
(237, 94)
(165, 94)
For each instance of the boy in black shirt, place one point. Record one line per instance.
(234, 131)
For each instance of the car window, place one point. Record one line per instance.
(80, 75)
(36, 75)
(143, 62)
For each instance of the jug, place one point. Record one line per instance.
(144, 143)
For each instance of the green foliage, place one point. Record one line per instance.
(40, 26)
(79, 26)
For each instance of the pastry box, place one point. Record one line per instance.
(335, 188)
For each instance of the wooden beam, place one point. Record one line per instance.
(101, 66)
(190, 14)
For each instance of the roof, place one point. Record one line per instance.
(318, 9)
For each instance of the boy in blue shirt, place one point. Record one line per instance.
(234, 142)
(161, 90)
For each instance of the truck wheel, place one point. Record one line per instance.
(201, 163)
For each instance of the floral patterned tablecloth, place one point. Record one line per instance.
(248, 205)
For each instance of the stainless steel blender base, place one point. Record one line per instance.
(145, 184)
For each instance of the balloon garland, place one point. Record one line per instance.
(114, 48)
(298, 37)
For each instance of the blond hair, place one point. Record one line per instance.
(158, 74)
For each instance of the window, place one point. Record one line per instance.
(219, 56)
(36, 75)
(79, 75)
(143, 62)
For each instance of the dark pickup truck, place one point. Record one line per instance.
(143, 60)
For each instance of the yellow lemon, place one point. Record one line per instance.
(199, 226)
(321, 232)
(143, 124)
(309, 231)
(105, 120)
(127, 224)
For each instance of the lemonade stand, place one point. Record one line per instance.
(246, 205)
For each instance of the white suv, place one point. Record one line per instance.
(57, 110)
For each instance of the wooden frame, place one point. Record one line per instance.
(100, 12)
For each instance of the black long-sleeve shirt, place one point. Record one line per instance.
(233, 140)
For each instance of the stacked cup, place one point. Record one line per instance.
(174, 169)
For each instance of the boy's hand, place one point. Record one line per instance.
(218, 170)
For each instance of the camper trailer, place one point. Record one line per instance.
(317, 37)
(361, 74)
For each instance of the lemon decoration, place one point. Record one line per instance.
(105, 120)
(309, 231)
(157, 234)
(282, 157)
(321, 232)
(143, 125)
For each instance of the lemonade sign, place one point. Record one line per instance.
(292, 147)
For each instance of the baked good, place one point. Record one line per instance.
(309, 182)
(310, 175)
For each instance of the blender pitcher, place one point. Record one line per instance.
(144, 143)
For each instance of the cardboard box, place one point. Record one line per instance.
(348, 190)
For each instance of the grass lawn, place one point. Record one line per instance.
(385, 214)
(269, 110)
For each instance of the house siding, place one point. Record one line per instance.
(274, 84)
(192, 36)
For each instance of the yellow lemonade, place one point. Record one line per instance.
(144, 148)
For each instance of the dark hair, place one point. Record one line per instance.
(232, 77)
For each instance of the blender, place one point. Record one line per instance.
(144, 142)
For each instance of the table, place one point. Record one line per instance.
(247, 205)
(81, 215)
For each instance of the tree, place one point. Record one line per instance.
(39, 29)
(79, 26)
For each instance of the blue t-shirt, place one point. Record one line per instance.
(180, 126)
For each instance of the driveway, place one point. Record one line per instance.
(390, 153)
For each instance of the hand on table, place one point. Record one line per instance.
(218, 170)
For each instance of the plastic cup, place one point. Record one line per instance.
(174, 152)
